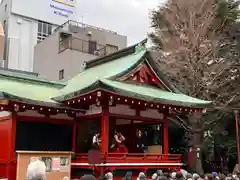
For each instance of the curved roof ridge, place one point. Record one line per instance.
(113, 56)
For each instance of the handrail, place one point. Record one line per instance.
(80, 24)
(133, 154)
(136, 155)
(78, 44)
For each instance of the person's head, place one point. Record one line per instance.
(173, 175)
(166, 174)
(179, 175)
(184, 173)
(189, 176)
(141, 176)
(222, 177)
(128, 175)
(201, 176)
(154, 176)
(209, 177)
(214, 174)
(36, 170)
(159, 172)
(109, 175)
(195, 176)
(88, 177)
(139, 132)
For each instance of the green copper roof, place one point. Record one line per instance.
(100, 73)
(149, 93)
(29, 78)
(29, 91)
(105, 70)
(28, 87)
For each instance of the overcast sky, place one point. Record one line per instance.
(126, 17)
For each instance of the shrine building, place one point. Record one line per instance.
(124, 91)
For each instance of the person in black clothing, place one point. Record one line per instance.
(140, 141)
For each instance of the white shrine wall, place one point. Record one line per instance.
(122, 109)
(126, 110)
(152, 113)
(93, 109)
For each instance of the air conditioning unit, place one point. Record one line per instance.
(97, 53)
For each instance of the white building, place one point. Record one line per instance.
(28, 21)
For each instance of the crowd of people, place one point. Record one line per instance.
(159, 175)
(37, 171)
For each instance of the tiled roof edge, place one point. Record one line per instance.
(33, 80)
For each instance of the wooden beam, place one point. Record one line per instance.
(89, 116)
(135, 117)
(44, 119)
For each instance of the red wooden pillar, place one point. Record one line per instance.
(105, 130)
(74, 135)
(11, 169)
(165, 136)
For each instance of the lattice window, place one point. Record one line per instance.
(44, 30)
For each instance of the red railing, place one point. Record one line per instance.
(134, 161)
(132, 157)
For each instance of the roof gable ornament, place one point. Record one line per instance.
(140, 47)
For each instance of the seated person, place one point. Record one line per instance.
(96, 141)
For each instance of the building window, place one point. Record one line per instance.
(61, 74)
(5, 8)
(44, 30)
(64, 41)
(92, 47)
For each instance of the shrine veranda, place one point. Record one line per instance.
(122, 90)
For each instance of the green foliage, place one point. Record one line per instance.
(227, 13)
